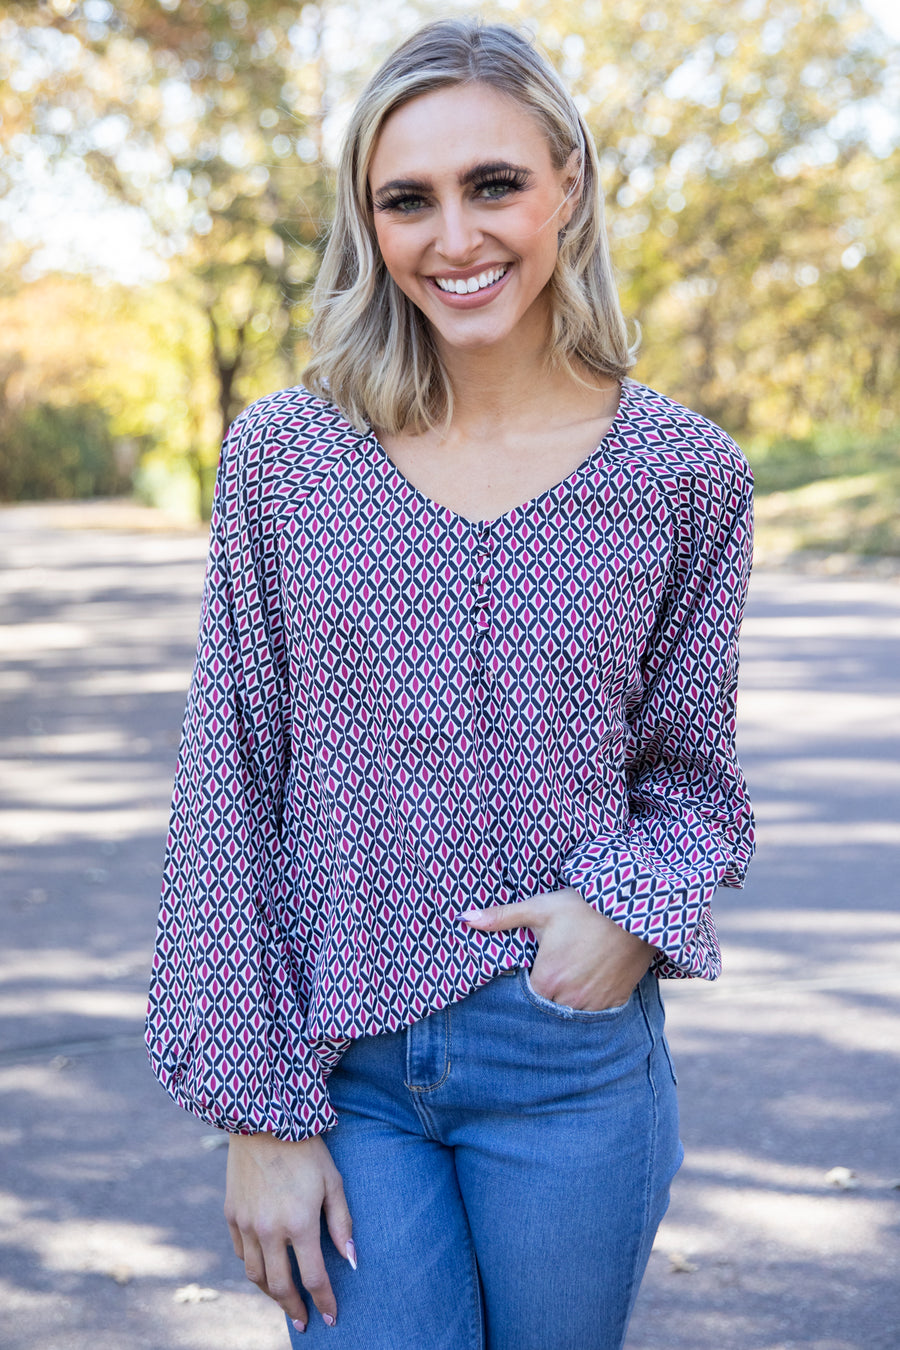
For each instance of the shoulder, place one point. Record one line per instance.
(661, 435)
(290, 436)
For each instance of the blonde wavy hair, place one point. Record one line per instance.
(373, 353)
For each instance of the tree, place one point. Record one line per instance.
(737, 151)
(199, 115)
(754, 216)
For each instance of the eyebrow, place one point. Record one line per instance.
(465, 178)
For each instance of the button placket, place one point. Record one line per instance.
(482, 598)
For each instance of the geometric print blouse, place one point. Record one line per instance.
(397, 714)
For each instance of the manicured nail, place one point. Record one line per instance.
(351, 1252)
(328, 1319)
(297, 1324)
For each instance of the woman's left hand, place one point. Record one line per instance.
(584, 960)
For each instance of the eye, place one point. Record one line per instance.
(494, 190)
(404, 203)
(500, 185)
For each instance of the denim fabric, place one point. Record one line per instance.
(507, 1162)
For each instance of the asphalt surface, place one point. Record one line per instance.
(111, 1233)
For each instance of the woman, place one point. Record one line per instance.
(458, 777)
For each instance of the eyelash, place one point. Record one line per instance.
(511, 180)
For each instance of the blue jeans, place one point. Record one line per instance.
(507, 1162)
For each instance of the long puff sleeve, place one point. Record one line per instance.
(224, 1028)
(689, 827)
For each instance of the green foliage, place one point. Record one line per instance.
(206, 117)
(832, 452)
(836, 491)
(754, 225)
(50, 452)
(855, 513)
(170, 485)
(753, 191)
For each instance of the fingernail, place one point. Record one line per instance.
(297, 1324)
(328, 1319)
(469, 915)
(351, 1252)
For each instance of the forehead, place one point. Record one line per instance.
(454, 128)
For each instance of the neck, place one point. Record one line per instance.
(493, 385)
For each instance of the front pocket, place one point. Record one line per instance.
(562, 1010)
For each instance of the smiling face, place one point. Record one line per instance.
(467, 208)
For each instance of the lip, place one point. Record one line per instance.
(476, 299)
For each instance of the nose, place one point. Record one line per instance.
(459, 235)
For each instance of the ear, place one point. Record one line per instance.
(571, 174)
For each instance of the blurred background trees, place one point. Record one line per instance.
(750, 159)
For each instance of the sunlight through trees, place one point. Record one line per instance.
(750, 159)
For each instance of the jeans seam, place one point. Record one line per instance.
(478, 1326)
(668, 1053)
(651, 1153)
(651, 1161)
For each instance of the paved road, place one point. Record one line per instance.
(789, 1065)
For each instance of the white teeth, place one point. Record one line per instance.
(473, 284)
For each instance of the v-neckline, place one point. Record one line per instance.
(602, 447)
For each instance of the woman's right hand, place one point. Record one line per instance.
(274, 1195)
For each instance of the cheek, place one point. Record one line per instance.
(536, 234)
(397, 251)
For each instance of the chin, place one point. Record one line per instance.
(481, 332)
(473, 343)
(469, 337)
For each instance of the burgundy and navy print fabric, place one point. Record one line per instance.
(397, 714)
